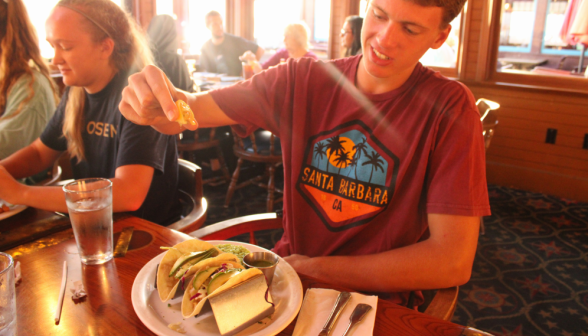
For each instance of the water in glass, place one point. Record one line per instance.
(92, 225)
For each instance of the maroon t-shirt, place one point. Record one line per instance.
(362, 171)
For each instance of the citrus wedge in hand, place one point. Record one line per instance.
(186, 115)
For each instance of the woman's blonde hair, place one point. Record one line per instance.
(103, 19)
(300, 32)
(19, 52)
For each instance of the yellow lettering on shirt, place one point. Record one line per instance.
(305, 176)
(330, 185)
(91, 127)
(112, 131)
(99, 126)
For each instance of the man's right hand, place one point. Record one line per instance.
(149, 100)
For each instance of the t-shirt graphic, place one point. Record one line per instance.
(347, 177)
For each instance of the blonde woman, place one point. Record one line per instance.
(27, 94)
(296, 45)
(96, 47)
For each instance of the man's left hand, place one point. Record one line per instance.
(300, 263)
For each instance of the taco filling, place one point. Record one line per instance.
(188, 260)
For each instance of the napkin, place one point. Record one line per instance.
(78, 291)
(317, 306)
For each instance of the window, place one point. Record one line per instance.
(164, 7)
(272, 16)
(530, 40)
(195, 30)
(39, 11)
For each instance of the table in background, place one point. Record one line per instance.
(108, 310)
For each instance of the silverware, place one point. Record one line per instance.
(342, 300)
(122, 244)
(357, 315)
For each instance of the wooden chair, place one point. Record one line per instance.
(489, 119)
(440, 303)
(189, 142)
(53, 176)
(263, 147)
(489, 124)
(190, 192)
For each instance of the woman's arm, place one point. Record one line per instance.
(30, 160)
(129, 189)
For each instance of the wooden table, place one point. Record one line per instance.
(107, 310)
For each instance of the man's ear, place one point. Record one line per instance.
(107, 46)
(442, 37)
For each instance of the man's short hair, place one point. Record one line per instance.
(451, 8)
(210, 14)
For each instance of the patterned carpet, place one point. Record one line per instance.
(530, 275)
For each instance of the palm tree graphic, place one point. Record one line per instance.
(376, 162)
(334, 145)
(320, 152)
(359, 148)
(353, 164)
(342, 160)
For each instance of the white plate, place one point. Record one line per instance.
(14, 209)
(286, 290)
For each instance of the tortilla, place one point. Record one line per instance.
(166, 285)
(192, 307)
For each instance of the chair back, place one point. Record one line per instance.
(204, 138)
(194, 206)
(488, 117)
(259, 146)
(53, 176)
(240, 225)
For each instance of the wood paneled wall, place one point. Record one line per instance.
(518, 155)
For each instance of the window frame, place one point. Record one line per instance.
(490, 75)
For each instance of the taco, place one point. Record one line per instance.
(176, 263)
(211, 279)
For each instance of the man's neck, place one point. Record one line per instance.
(218, 40)
(373, 85)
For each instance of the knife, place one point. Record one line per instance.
(122, 244)
(341, 302)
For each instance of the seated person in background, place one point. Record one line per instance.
(163, 38)
(221, 53)
(96, 45)
(384, 164)
(27, 93)
(351, 36)
(297, 45)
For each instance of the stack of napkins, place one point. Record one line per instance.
(317, 306)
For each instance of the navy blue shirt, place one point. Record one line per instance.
(111, 141)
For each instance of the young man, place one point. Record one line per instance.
(383, 158)
(221, 53)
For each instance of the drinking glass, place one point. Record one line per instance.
(89, 203)
(7, 296)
